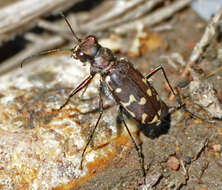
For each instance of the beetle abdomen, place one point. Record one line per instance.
(134, 93)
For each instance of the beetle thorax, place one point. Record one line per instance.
(103, 60)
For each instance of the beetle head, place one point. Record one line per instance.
(87, 49)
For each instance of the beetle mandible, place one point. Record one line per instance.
(130, 89)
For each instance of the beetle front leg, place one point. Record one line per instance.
(77, 89)
(178, 99)
(94, 129)
(138, 150)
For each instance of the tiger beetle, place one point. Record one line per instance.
(130, 89)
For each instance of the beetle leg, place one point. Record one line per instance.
(84, 90)
(77, 89)
(94, 129)
(178, 99)
(165, 76)
(138, 150)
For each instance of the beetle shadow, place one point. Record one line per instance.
(156, 129)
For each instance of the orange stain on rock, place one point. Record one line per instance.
(99, 164)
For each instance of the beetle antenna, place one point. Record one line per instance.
(49, 52)
(70, 27)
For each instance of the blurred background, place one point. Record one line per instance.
(184, 36)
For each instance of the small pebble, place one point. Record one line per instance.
(173, 163)
(187, 160)
(202, 188)
(217, 147)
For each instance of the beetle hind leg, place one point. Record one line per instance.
(177, 96)
(138, 149)
(178, 99)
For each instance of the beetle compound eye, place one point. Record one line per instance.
(81, 56)
(79, 53)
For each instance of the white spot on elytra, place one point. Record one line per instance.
(142, 101)
(155, 119)
(144, 80)
(131, 99)
(157, 98)
(149, 92)
(144, 116)
(159, 112)
(118, 90)
(131, 113)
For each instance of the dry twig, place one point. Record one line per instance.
(56, 28)
(132, 12)
(120, 7)
(155, 17)
(21, 13)
(200, 47)
(201, 149)
(38, 45)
